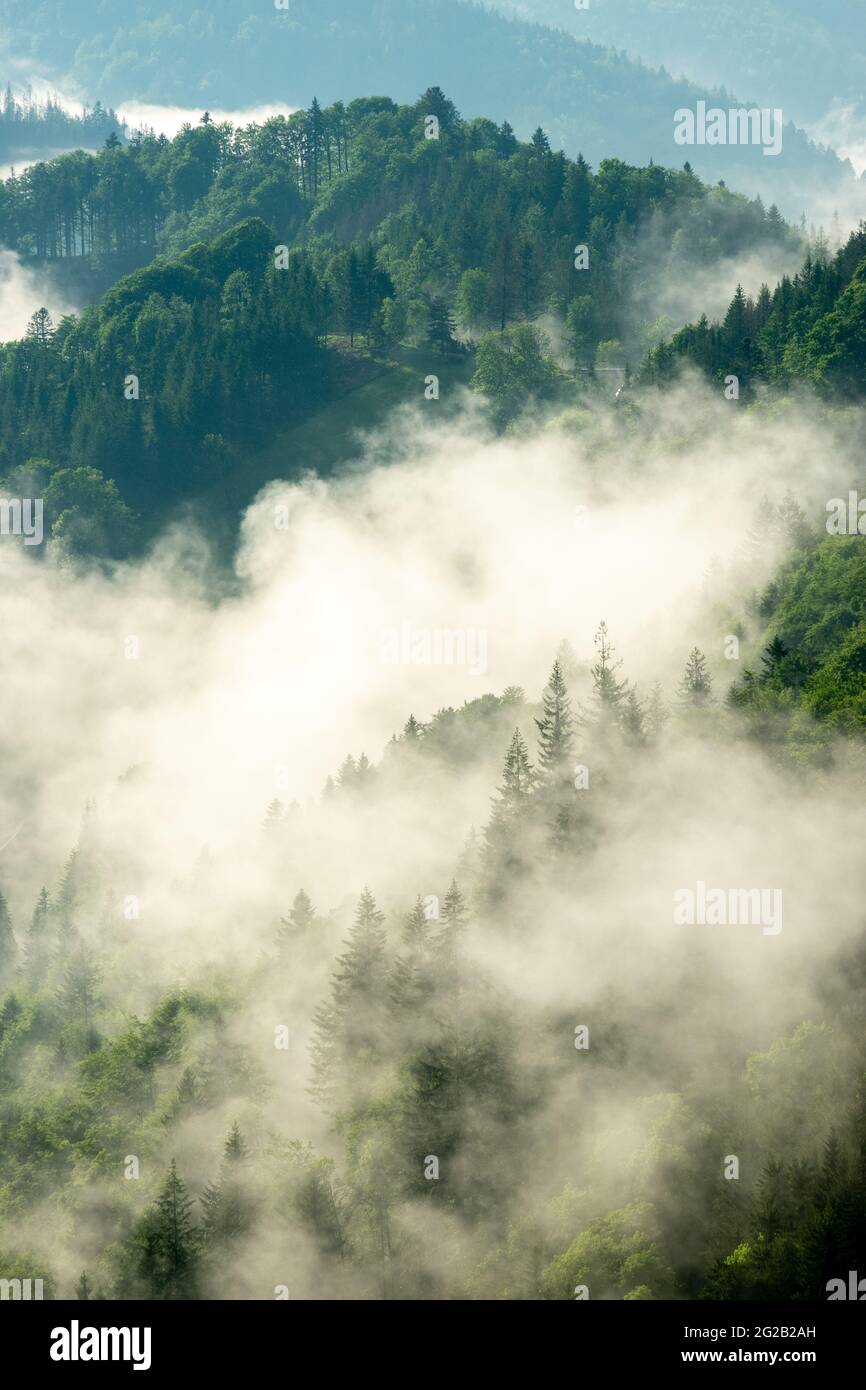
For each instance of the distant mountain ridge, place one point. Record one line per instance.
(589, 100)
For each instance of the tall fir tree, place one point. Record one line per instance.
(695, 690)
(295, 926)
(8, 945)
(37, 946)
(608, 693)
(350, 1027)
(167, 1243)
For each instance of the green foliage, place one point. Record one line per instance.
(812, 328)
(514, 368)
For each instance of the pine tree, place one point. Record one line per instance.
(167, 1242)
(83, 1290)
(274, 816)
(500, 854)
(36, 946)
(301, 917)
(8, 946)
(235, 1146)
(347, 775)
(40, 329)
(416, 929)
(469, 862)
(226, 1210)
(608, 693)
(410, 977)
(657, 714)
(555, 731)
(65, 906)
(633, 720)
(454, 915)
(440, 327)
(696, 686)
(567, 660)
(773, 656)
(350, 1027)
(78, 996)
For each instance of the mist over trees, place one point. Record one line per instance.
(433, 717)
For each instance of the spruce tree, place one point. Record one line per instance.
(555, 732)
(633, 720)
(695, 689)
(454, 915)
(65, 906)
(274, 816)
(226, 1210)
(350, 1028)
(300, 919)
(608, 693)
(36, 945)
(440, 327)
(514, 796)
(235, 1146)
(168, 1243)
(657, 714)
(8, 947)
(78, 996)
(410, 977)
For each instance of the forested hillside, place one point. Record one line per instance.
(788, 53)
(589, 99)
(450, 1099)
(194, 360)
(359, 936)
(810, 329)
(30, 126)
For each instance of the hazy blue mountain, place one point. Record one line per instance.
(795, 54)
(588, 99)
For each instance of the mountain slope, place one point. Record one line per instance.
(789, 53)
(589, 99)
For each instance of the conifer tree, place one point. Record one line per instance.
(36, 945)
(440, 327)
(416, 929)
(696, 686)
(454, 915)
(555, 731)
(657, 714)
(300, 919)
(8, 947)
(235, 1146)
(167, 1243)
(608, 693)
(65, 906)
(410, 977)
(78, 997)
(633, 721)
(226, 1209)
(274, 816)
(350, 1026)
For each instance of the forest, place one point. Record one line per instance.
(329, 976)
(217, 338)
(582, 87)
(32, 126)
